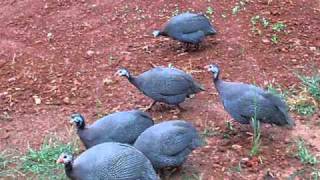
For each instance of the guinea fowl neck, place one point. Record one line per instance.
(133, 80)
(217, 83)
(68, 168)
(163, 33)
(81, 126)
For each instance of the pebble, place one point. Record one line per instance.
(90, 53)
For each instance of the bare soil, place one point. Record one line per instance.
(64, 53)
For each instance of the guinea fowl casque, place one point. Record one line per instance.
(168, 143)
(123, 127)
(188, 28)
(112, 161)
(245, 101)
(164, 84)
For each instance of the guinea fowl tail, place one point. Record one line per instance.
(197, 142)
(212, 31)
(290, 122)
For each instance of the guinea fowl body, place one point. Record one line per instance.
(169, 85)
(245, 101)
(112, 161)
(188, 27)
(123, 127)
(168, 144)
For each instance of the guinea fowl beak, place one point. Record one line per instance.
(71, 121)
(207, 67)
(59, 161)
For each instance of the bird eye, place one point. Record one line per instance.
(64, 157)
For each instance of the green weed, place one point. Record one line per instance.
(305, 109)
(191, 176)
(312, 83)
(255, 19)
(239, 6)
(304, 154)
(255, 149)
(208, 133)
(236, 9)
(210, 10)
(265, 22)
(315, 174)
(229, 126)
(274, 39)
(279, 26)
(276, 91)
(42, 163)
(236, 168)
(8, 160)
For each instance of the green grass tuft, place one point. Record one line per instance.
(279, 26)
(312, 83)
(42, 163)
(304, 154)
(256, 144)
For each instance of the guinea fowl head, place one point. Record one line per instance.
(123, 72)
(156, 33)
(65, 158)
(78, 119)
(214, 69)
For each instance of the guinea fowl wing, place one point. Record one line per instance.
(175, 140)
(164, 81)
(188, 23)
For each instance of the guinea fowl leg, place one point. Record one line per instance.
(149, 107)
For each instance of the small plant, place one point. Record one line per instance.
(176, 12)
(229, 126)
(315, 174)
(304, 155)
(265, 22)
(42, 162)
(240, 5)
(210, 10)
(236, 9)
(236, 168)
(305, 109)
(207, 132)
(276, 91)
(7, 164)
(279, 26)
(256, 143)
(255, 150)
(312, 83)
(255, 19)
(274, 39)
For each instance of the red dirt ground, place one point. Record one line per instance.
(65, 52)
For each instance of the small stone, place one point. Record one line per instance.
(265, 40)
(90, 53)
(107, 81)
(66, 100)
(236, 147)
(313, 48)
(37, 99)
(50, 36)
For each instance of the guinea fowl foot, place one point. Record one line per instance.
(148, 108)
(181, 109)
(168, 172)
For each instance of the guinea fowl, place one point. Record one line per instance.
(168, 144)
(112, 161)
(187, 27)
(245, 101)
(164, 84)
(123, 127)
